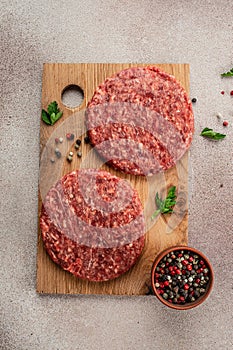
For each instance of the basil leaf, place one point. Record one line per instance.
(45, 117)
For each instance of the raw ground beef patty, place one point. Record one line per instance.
(92, 224)
(140, 121)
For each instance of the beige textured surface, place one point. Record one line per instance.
(33, 32)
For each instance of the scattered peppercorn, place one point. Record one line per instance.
(79, 154)
(76, 146)
(225, 123)
(194, 100)
(58, 153)
(70, 136)
(219, 116)
(222, 92)
(52, 160)
(56, 140)
(86, 139)
(231, 93)
(69, 158)
(78, 142)
(60, 139)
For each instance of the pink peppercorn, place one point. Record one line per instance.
(225, 123)
(69, 136)
(185, 262)
(222, 92)
(231, 93)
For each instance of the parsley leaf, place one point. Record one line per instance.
(52, 115)
(45, 117)
(228, 74)
(166, 205)
(209, 133)
(52, 108)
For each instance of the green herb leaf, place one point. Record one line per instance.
(53, 118)
(53, 108)
(59, 115)
(228, 74)
(45, 117)
(155, 214)
(158, 201)
(209, 133)
(53, 113)
(165, 206)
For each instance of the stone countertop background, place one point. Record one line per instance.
(34, 32)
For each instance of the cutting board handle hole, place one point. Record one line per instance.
(72, 96)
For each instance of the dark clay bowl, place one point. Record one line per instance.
(189, 304)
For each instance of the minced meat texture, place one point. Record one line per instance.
(140, 121)
(92, 224)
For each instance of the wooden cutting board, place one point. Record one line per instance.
(166, 231)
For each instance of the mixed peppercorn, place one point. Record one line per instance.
(77, 146)
(181, 277)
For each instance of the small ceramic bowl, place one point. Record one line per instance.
(184, 305)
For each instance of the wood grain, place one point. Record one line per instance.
(165, 232)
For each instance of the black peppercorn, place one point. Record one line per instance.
(86, 139)
(58, 153)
